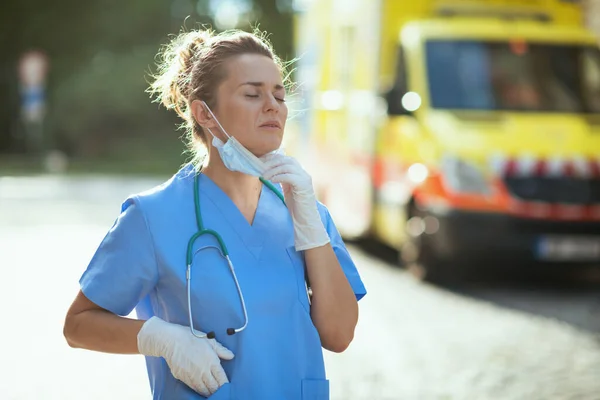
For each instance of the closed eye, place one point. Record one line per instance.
(255, 96)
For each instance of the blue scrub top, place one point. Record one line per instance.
(141, 265)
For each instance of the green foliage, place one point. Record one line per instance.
(90, 107)
(277, 20)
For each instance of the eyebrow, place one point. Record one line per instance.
(261, 84)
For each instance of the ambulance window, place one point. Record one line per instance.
(571, 77)
(513, 76)
(460, 74)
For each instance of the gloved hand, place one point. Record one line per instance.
(193, 361)
(309, 231)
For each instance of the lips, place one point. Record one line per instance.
(271, 124)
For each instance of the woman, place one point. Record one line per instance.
(254, 326)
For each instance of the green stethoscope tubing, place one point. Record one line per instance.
(200, 223)
(224, 252)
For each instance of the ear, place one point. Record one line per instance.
(201, 114)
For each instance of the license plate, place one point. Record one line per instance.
(568, 248)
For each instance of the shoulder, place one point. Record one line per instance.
(159, 197)
(165, 208)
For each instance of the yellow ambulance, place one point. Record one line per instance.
(465, 134)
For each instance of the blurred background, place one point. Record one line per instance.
(95, 59)
(455, 142)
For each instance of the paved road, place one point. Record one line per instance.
(414, 341)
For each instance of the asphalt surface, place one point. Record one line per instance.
(414, 341)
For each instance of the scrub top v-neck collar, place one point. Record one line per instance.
(253, 235)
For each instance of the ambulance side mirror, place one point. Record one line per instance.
(393, 98)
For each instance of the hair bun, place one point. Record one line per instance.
(172, 83)
(191, 47)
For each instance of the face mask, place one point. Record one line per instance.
(235, 156)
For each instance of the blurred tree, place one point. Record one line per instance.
(275, 17)
(99, 53)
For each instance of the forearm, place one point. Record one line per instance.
(103, 331)
(334, 307)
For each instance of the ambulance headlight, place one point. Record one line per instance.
(463, 177)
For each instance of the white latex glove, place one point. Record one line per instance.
(193, 361)
(309, 231)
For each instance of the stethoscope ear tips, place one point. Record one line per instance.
(210, 335)
(230, 331)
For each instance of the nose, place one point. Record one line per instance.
(271, 104)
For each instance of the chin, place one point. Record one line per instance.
(264, 153)
(268, 148)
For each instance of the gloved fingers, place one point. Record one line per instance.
(273, 172)
(272, 160)
(196, 383)
(222, 351)
(284, 178)
(201, 389)
(210, 382)
(280, 160)
(219, 374)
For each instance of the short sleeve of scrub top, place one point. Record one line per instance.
(123, 269)
(342, 254)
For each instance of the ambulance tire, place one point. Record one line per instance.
(418, 257)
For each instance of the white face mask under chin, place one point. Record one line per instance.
(235, 156)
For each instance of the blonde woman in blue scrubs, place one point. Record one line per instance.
(256, 333)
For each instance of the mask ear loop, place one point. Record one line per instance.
(217, 121)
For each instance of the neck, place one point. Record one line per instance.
(243, 190)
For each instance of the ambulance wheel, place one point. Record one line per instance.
(416, 253)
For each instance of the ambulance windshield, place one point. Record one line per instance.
(513, 76)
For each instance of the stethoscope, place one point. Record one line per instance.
(225, 254)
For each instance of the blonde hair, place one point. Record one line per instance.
(192, 67)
